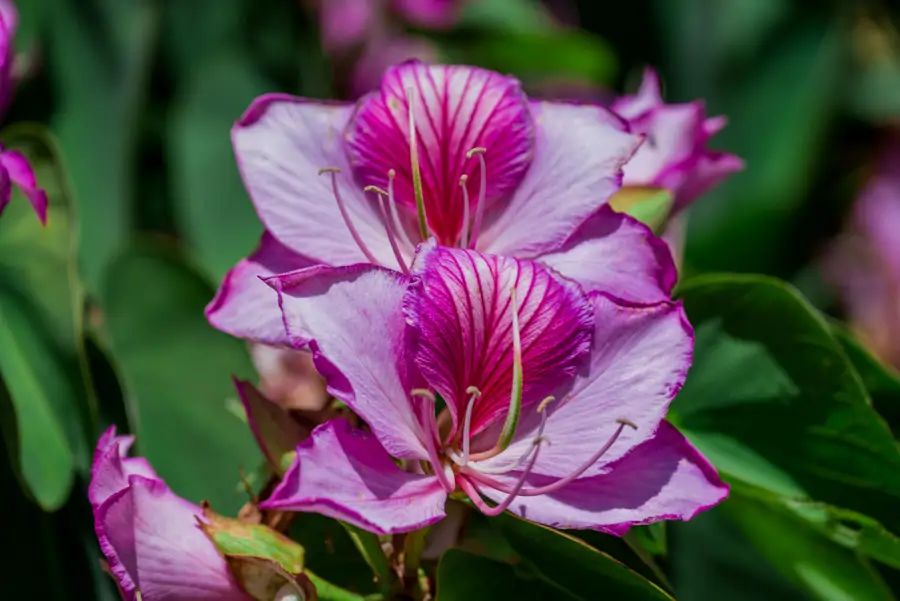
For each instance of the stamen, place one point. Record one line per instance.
(464, 234)
(414, 160)
(515, 396)
(395, 214)
(382, 202)
(554, 486)
(471, 489)
(540, 433)
(467, 427)
(343, 209)
(431, 432)
(479, 205)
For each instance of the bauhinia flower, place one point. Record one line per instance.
(494, 379)
(457, 153)
(675, 154)
(150, 537)
(14, 167)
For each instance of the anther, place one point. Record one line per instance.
(414, 161)
(422, 392)
(395, 215)
(543, 404)
(479, 203)
(333, 171)
(464, 233)
(392, 239)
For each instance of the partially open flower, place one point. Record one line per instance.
(495, 379)
(675, 154)
(150, 537)
(457, 153)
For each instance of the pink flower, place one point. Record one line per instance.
(488, 169)
(150, 536)
(674, 155)
(553, 398)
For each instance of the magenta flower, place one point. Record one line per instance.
(14, 167)
(486, 169)
(553, 399)
(150, 536)
(674, 155)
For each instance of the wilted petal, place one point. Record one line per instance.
(20, 173)
(463, 312)
(577, 166)
(245, 306)
(665, 478)
(152, 543)
(354, 316)
(275, 429)
(614, 253)
(111, 467)
(639, 361)
(346, 474)
(281, 143)
(456, 109)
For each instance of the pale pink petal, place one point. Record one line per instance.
(647, 98)
(346, 474)
(344, 23)
(462, 309)
(639, 361)
(670, 149)
(578, 159)
(665, 478)
(711, 169)
(111, 468)
(152, 542)
(457, 108)
(435, 14)
(617, 254)
(21, 174)
(244, 305)
(354, 316)
(281, 143)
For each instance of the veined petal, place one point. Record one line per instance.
(360, 345)
(281, 143)
(462, 309)
(615, 253)
(152, 542)
(111, 467)
(456, 109)
(245, 306)
(664, 478)
(638, 363)
(346, 474)
(578, 159)
(21, 174)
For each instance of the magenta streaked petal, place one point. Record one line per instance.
(21, 174)
(462, 310)
(436, 14)
(711, 169)
(111, 467)
(354, 316)
(344, 473)
(639, 361)
(244, 305)
(664, 478)
(152, 542)
(578, 159)
(456, 109)
(281, 143)
(615, 253)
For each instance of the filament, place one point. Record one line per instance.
(479, 203)
(467, 426)
(464, 233)
(382, 204)
(343, 209)
(431, 432)
(474, 493)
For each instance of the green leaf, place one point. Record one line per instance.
(463, 576)
(571, 565)
(521, 16)
(650, 206)
(772, 400)
(827, 571)
(176, 369)
(99, 61)
(213, 208)
(235, 538)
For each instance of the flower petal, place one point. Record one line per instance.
(711, 169)
(615, 253)
(152, 542)
(647, 98)
(346, 474)
(665, 478)
(21, 174)
(578, 159)
(244, 305)
(111, 468)
(344, 23)
(463, 312)
(434, 14)
(456, 109)
(281, 143)
(639, 361)
(354, 316)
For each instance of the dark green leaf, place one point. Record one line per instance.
(177, 368)
(463, 576)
